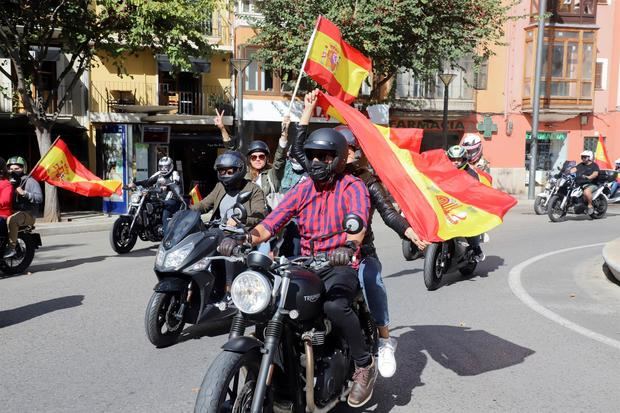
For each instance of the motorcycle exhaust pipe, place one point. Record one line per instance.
(310, 405)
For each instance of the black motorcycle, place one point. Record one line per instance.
(569, 198)
(27, 242)
(143, 218)
(191, 277)
(551, 187)
(294, 361)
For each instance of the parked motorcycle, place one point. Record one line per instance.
(450, 255)
(295, 361)
(569, 198)
(27, 242)
(191, 277)
(143, 218)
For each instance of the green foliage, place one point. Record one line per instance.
(419, 35)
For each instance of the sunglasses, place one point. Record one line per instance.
(320, 155)
(227, 172)
(258, 157)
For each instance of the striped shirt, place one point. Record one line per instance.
(321, 212)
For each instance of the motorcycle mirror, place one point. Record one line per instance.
(352, 224)
(244, 197)
(239, 212)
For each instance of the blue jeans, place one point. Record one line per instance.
(369, 274)
(614, 188)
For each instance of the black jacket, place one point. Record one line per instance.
(379, 197)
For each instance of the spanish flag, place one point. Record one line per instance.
(600, 157)
(484, 177)
(334, 64)
(440, 202)
(195, 196)
(60, 168)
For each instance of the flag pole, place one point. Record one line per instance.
(303, 64)
(43, 157)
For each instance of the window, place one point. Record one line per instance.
(408, 86)
(246, 6)
(567, 11)
(600, 75)
(257, 79)
(590, 143)
(481, 77)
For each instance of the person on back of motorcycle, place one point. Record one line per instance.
(616, 183)
(458, 156)
(473, 145)
(6, 200)
(370, 266)
(320, 204)
(231, 171)
(169, 180)
(28, 196)
(587, 172)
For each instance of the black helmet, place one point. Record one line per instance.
(348, 135)
(329, 140)
(230, 159)
(258, 146)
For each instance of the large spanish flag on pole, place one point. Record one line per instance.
(600, 157)
(60, 168)
(440, 201)
(334, 64)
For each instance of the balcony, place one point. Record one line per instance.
(567, 11)
(72, 107)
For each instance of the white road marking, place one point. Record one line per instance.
(514, 280)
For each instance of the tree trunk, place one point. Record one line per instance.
(51, 211)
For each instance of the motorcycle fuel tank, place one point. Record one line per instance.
(304, 294)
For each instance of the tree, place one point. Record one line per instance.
(416, 35)
(83, 29)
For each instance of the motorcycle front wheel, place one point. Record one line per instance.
(162, 327)
(434, 266)
(540, 205)
(18, 263)
(600, 207)
(554, 209)
(229, 384)
(122, 239)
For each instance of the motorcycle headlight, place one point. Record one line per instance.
(201, 265)
(135, 198)
(251, 292)
(175, 258)
(161, 254)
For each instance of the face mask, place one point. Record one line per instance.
(296, 165)
(15, 176)
(319, 171)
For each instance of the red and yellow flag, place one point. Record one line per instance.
(195, 196)
(334, 64)
(440, 202)
(600, 157)
(484, 177)
(60, 168)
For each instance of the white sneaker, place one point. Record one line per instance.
(386, 363)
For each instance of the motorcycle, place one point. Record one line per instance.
(540, 204)
(294, 361)
(191, 278)
(27, 242)
(569, 198)
(608, 177)
(143, 218)
(450, 255)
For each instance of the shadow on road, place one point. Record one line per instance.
(486, 267)
(141, 252)
(465, 351)
(61, 265)
(212, 329)
(400, 273)
(54, 247)
(30, 311)
(609, 275)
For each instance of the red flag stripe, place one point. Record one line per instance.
(352, 54)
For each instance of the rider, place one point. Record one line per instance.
(458, 156)
(370, 266)
(616, 183)
(587, 172)
(231, 172)
(169, 179)
(6, 200)
(321, 203)
(473, 145)
(28, 196)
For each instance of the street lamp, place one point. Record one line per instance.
(240, 65)
(446, 78)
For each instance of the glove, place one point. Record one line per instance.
(228, 245)
(341, 256)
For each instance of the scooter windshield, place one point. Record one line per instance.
(180, 226)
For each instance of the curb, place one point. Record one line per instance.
(611, 255)
(64, 228)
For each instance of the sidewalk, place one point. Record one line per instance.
(76, 222)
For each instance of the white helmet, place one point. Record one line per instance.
(587, 154)
(472, 143)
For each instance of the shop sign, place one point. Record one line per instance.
(548, 136)
(426, 124)
(155, 134)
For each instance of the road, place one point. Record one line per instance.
(526, 333)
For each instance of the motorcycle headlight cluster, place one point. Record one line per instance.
(201, 265)
(135, 198)
(175, 258)
(251, 292)
(161, 254)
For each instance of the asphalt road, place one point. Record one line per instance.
(527, 333)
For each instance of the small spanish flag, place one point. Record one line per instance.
(600, 157)
(60, 168)
(440, 202)
(484, 177)
(195, 196)
(334, 64)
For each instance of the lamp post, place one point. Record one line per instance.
(446, 78)
(240, 65)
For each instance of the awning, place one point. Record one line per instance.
(548, 136)
(198, 65)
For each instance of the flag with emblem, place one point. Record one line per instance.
(600, 156)
(195, 196)
(334, 64)
(484, 177)
(439, 201)
(60, 168)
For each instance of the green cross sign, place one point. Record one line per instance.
(487, 127)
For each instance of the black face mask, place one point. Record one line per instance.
(15, 177)
(320, 171)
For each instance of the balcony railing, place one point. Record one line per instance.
(113, 96)
(428, 94)
(11, 103)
